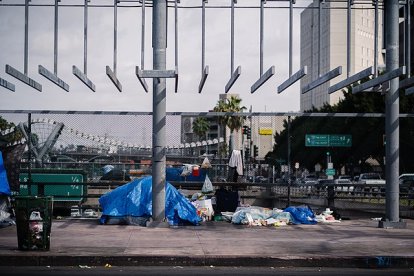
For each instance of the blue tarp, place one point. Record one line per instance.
(174, 174)
(4, 184)
(134, 199)
(301, 215)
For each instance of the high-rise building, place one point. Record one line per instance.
(333, 44)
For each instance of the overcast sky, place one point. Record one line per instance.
(133, 97)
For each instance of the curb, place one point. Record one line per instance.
(242, 261)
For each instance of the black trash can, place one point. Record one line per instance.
(33, 222)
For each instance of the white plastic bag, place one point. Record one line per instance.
(207, 186)
(206, 163)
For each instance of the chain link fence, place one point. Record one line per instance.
(319, 147)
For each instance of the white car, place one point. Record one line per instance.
(371, 183)
(343, 180)
(309, 180)
(344, 183)
(371, 179)
(75, 212)
(89, 213)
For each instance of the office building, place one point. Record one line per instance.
(333, 46)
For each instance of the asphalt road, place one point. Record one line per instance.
(207, 271)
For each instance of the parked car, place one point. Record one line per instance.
(323, 183)
(75, 212)
(373, 183)
(344, 183)
(406, 178)
(343, 180)
(89, 213)
(406, 182)
(310, 179)
(371, 179)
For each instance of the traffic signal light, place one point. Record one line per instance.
(255, 151)
(247, 154)
(249, 133)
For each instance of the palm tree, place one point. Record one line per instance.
(221, 120)
(201, 127)
(231, 104)
(234, 122)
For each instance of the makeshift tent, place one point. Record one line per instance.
(12, 156)
(5, 219)
(134, 200)
(4, 184)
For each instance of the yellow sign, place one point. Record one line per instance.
(265, 131)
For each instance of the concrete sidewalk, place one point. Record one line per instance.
(349, 243)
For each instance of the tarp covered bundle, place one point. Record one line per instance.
(4, 184)
(134, 200)
(301, 215)
(255, 215)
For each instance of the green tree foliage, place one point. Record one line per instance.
(232, 104)
(201, 127)
(367, 134)
(8, 138)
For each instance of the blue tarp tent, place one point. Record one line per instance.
(134, 199)
(4, 184)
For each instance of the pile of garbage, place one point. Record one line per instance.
(224, 205)
(260, 216)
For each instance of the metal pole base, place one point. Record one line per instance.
(392, 224)
(157, 224)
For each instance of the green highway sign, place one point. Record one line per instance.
(328, 140)
(57, 191)
(330, 171)
(340, 140)
(317, 140)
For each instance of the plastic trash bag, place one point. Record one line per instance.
(302, 215)
(244, 215)
(207, 186)
(206, 163)
(187, 170)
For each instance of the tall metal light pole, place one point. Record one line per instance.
(159, 45)
(288, 163)
(392, 127)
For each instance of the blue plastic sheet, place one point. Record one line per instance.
(301, 215)
(4, 184)
(174, 174)
(134, 199)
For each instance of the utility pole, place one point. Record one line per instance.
(159, 45)
(288, 163)
(392, 127)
